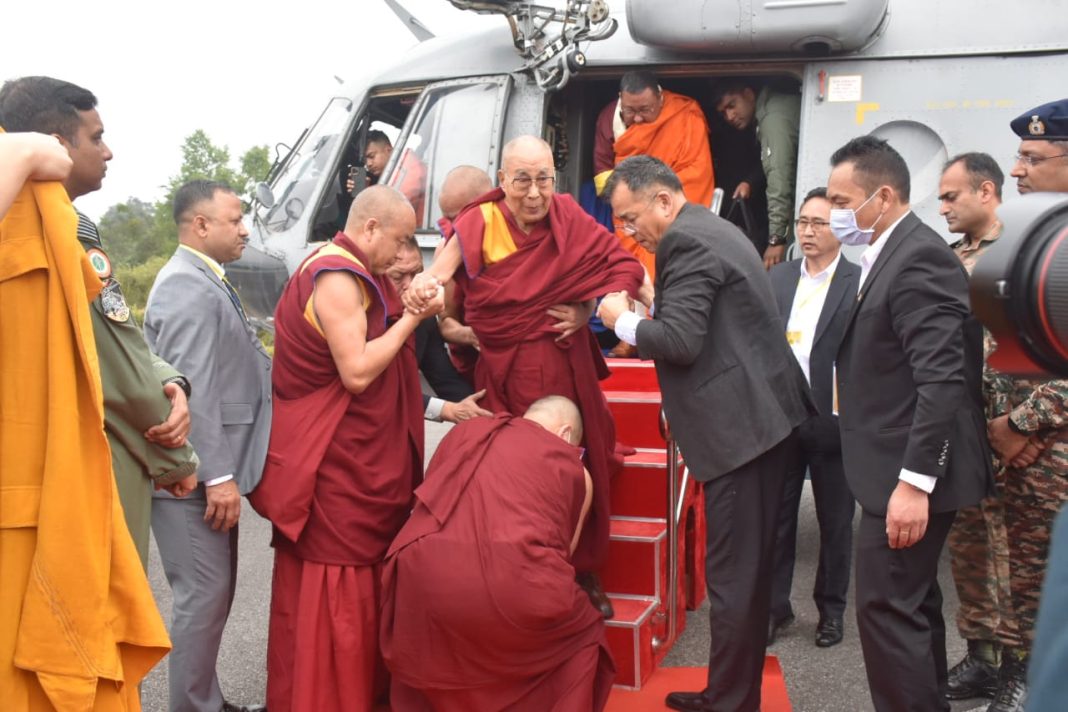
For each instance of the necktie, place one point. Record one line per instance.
(234, 298)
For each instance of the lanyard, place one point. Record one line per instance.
(814, 293)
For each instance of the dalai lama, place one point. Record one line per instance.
(534, 261)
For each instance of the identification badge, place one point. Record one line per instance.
(113, 302)
(793, 337)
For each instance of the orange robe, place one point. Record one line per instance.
(78, 626)
(679, 138)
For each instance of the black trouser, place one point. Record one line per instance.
(834, 512)
(899, 615)
(742, 514)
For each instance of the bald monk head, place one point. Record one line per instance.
(461, 186)
(380, 222)
(558, 415)
(528, 178)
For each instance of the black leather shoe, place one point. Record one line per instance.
(231, 707)
(687, 701)
(776, 626)
(1012, 686)
(828, 632)
(591, 584)
(971, 677)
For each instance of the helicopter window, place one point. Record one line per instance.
(384, 114)
(455, 126)
(301, 171)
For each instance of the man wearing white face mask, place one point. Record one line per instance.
(911, 415)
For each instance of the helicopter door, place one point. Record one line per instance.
(453, 123)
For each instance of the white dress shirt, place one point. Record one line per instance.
(868, 257)
(867, 260)
(805, 312)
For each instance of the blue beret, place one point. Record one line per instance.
(1048, 122)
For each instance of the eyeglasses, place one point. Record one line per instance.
(646, 112)
(523, 182)
(628, 222)
(802, 223)
(1033, 161)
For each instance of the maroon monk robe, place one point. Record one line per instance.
(340, 472)
(480, 606)
(567, 257)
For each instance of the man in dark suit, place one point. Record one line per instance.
(734, 395)
(815, 295)
(913, 432)
(194, 318)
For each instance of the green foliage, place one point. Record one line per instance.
(140, 237)
(131, 234)
(137, 281)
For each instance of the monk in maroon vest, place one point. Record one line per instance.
(345, 454)
(533, 262)
(480, 606)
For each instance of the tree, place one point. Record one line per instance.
(202, 159)
(131, 233)
(255, 164)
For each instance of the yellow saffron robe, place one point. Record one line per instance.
(78, 626)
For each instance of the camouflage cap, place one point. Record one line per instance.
(1048, 122)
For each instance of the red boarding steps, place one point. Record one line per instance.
(636, 575)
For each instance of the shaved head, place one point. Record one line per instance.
(381, 202)
(555, 413)
(462, 185)
(381, 221)
(526, 148)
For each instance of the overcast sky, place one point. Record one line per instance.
(247, 73)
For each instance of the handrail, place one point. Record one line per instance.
(672, 521)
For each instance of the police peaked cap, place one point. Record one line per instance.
(1048, 122)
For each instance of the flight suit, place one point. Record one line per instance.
(133, 379)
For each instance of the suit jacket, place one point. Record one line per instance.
(435, 365)
(909, 376)
(191, 322)
(731, 387)
(821, 431)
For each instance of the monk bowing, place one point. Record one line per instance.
(649, 121)
(345, 454)
(533, 263)
(480, 606)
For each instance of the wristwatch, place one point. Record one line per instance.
(776, 241)
(182, 382)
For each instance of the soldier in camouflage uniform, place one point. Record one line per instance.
(970, 192)
(146, 416)
(1029, 427)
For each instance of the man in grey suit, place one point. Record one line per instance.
(195, 318)
(815, 295)
(734, 395)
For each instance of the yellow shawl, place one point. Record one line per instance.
(78, 626)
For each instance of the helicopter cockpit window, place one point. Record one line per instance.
(301, 172)
(456, 125)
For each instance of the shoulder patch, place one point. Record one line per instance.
(100, 262)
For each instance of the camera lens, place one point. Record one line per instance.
(1019, 287)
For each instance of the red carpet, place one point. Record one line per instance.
(651, 697)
